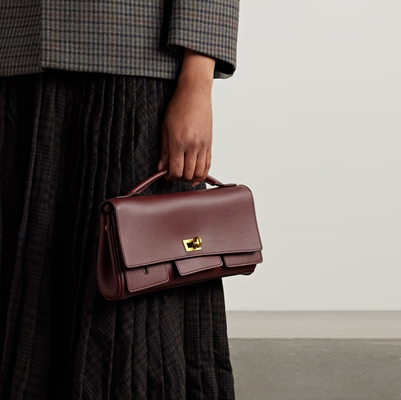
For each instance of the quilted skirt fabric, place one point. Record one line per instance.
(68, 140)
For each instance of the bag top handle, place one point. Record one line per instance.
(153, 178)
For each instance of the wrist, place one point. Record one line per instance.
(197, 71)
(197, 83)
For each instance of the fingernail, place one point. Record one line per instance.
(159, 166)
(195, 183)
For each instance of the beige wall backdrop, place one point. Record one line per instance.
(311, 122)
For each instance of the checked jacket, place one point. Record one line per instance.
(129, 37)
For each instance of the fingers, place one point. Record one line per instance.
(208, 162)
(165, 152)
(199, 174)
(189, 166)
(176, 164)
(204, 163)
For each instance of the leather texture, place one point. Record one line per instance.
(142, 248)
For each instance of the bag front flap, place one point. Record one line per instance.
(236, 260)
(146, 277)
(191, 265)
(152, 228)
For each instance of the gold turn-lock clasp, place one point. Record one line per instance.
(193, 244)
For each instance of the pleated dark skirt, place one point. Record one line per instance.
(68, 140)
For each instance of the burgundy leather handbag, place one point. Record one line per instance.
(160, 241)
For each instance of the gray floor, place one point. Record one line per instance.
(306, 355)
(314, 324)
(306, 369)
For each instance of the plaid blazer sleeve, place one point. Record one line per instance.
(209, 27)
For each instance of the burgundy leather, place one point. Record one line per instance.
(142, 249)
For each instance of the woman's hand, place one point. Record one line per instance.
(187, 128)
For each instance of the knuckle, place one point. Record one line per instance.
(174, 175)
(180, 145)
(201, 178)
(203, 145)
(198, 175)
(188, 174)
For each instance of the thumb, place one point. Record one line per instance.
(165, 153)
